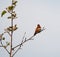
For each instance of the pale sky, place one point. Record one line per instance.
(30, 13)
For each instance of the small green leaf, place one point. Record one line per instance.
(3, 38)
(10, 7)
(3, 12)
(8, 43)
(14, 3)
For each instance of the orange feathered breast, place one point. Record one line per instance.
(38, 29)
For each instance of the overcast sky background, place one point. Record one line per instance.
(30, 13)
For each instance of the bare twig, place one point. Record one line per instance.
(21, 44)
(23, 37)
(16, 51)
(7, 50)
(4, 48)
(6, 31)
(2, 43)
(27, 39)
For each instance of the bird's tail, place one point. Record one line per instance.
(34, 33)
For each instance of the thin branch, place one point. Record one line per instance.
(4, 48)
(21, 44)
(7, 50)
(16, 51)
(23, 37)
(26, 40)
(11, 32)
(6, 31)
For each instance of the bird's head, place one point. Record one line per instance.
(38, 25)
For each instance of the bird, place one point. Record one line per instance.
(12, 28)
(38, 29)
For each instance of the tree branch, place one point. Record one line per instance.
(16, 51)
(4, 48)
(21, 44)
(6, 31)
(24, 41)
